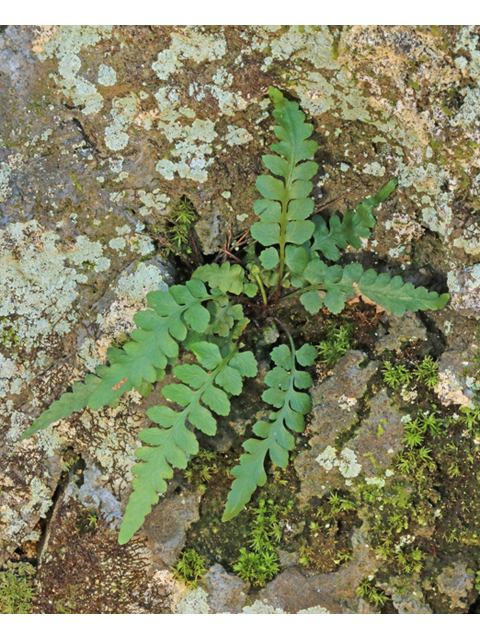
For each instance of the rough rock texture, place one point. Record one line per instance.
(456, 583)
(166, 526)
(334, 403)
(409, 328)
(102, 131)
(379, 438)
(226, 593)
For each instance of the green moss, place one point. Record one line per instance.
(16, 588)
(190, 568)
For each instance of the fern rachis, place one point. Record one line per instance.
(205, 316)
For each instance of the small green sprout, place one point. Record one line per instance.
(396, 377)
(181, 220)
(256, 568)
(337, 343)
(261, 564)
(371, 593)
(427, 372)
(190, 568)
(93, 521)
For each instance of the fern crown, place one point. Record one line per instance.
(293, 257)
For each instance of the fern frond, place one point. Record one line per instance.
(327, 238)
(142, 361)
(208, 388)
(283, 382)
(228, 278)
(285, 205)
(330, 287)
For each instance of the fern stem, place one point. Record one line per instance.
(299, 292)
(256, 274)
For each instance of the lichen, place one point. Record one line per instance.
(5, 189)
(123, 114)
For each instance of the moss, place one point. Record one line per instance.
(17, 589)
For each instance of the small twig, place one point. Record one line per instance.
(327, 204)
(232, 256)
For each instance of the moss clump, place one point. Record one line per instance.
(260, 565)
(16, 588)
(190, 567)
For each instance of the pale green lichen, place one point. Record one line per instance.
(123, 114)
(135, 286)
(64, 43)
(261, 608)
(117, 243)
(5, 189)
(34, 278)
(191, 147)
(78, 89)
(107, 76)
(237, 136)
(188, 44)
(374, 169)
(193, 602)
(346, 461)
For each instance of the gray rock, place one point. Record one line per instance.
(409, 328)
(380, 436)
(407, 595)
(291, 591)
(334, 410)
(167, 524)
(455, 385)
(464, 285)
(226, 593)
(457, 584)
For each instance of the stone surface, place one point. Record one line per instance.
(291, 592)
(334, 411)
(166, 526)
(464, 283)
(407, 595)
(409, 328)
(456, 583)
(226, 593)
(380, 436)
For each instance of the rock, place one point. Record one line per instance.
(193, 601)
(464, 285)
(167, 524)
(334, 403)
(408, 328)
(455, 385)
(457, 583)
(342, 585)
(407, 595)
(226, 593)
(292, 592)
(380, 436)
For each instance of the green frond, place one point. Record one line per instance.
(330, 287)
(276, 437)
(285, 206)
(329, 237)
(142, 361)
(209, 386)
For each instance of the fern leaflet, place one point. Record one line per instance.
(207, 391)
(143, 360)
(354, 226)
(285, 205)
(277, 441)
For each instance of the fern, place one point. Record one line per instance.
(207, 391)
(205, 316)
(276, 437)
